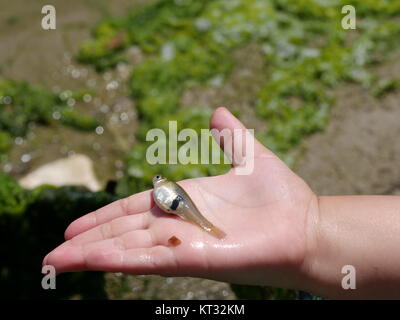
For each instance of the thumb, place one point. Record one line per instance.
(224, 121)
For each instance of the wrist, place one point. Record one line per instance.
(326, 255)
(322, 277)
(309, 277)
(358, 233)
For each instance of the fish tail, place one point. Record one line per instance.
(206, 225)
(217, 232)
(213, 230)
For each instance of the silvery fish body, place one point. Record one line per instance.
(171, 198)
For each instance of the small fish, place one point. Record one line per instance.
(171, 198)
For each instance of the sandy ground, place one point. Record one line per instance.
(46, 58)
(359, 151)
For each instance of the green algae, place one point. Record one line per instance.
(23, 104)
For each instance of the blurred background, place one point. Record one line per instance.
(76, 103)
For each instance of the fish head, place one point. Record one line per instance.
(158, 179)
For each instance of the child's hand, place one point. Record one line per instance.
(267, 216)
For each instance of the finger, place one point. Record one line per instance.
(114, 228)
(69, 257)
(136, 203)
(111, 255)
(223, 119)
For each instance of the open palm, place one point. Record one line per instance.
(265, 215)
